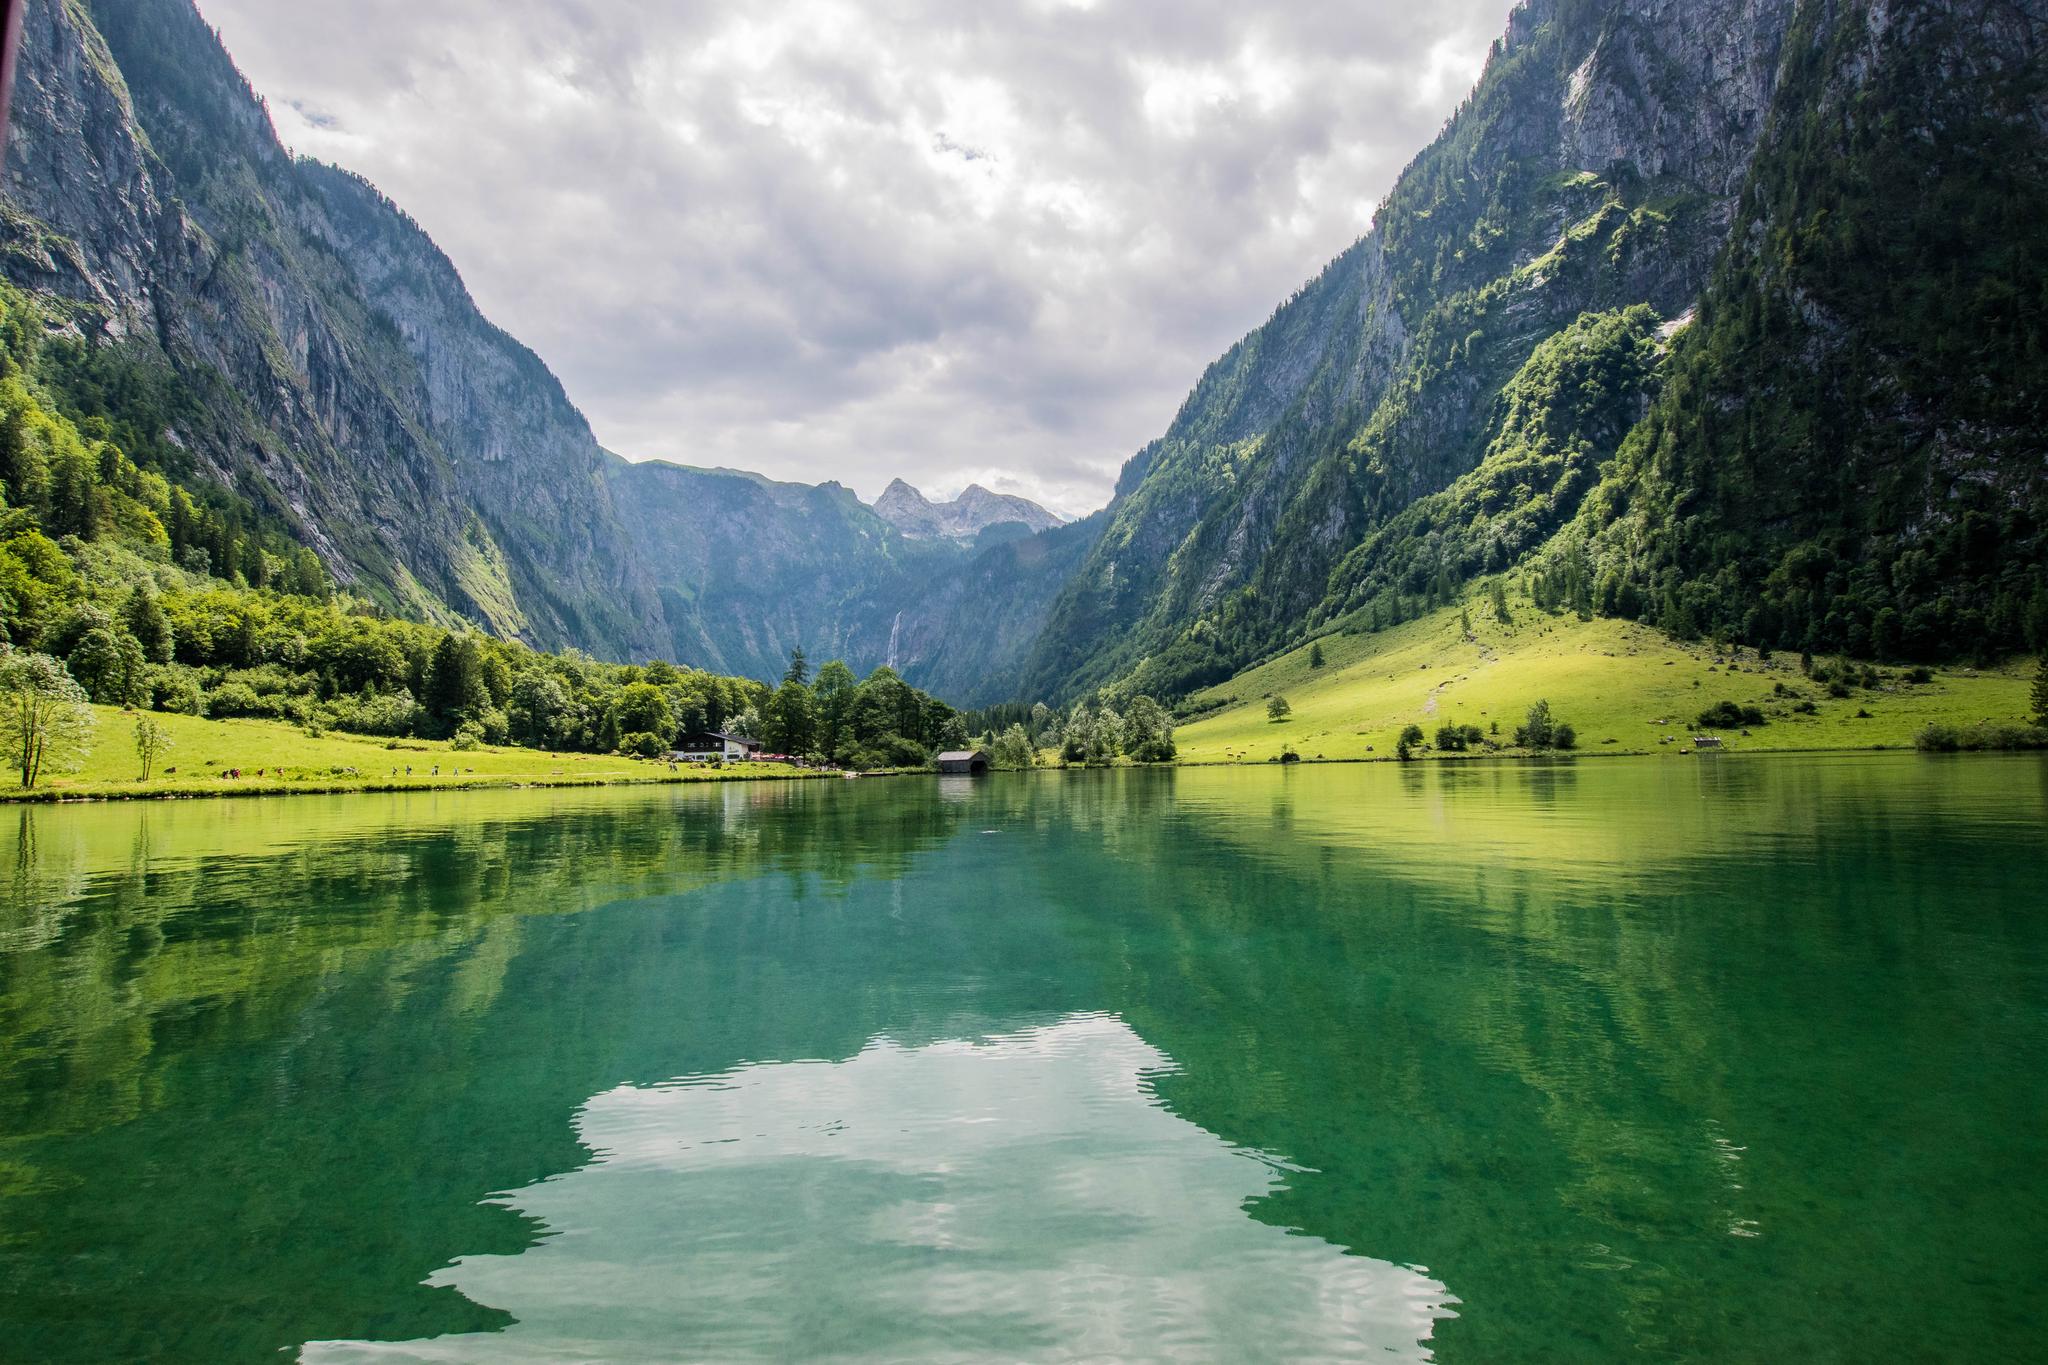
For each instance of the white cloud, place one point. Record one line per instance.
(835, 240)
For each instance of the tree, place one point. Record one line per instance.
(108, 663)
(1404, 747)
(1499, 593)
(799, 671)
(1539, 729)
(1278, 708)
(1315, 655)
(1148, 731)
(151, 739)
(541, 709)
(2041, 691)
(641, 709)
(788, 725)
(1077, 736)
(1013, 749)
(144, 617)
(831, 705)
(455, 689)
(45, 719)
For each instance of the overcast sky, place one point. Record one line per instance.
(952, 240)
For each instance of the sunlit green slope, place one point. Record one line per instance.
(1625, 688)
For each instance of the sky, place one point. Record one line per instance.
(954, 241)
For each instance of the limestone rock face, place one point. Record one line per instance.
(345, 381)
(976, 510)
(1596, 165)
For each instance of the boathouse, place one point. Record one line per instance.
(964, 761)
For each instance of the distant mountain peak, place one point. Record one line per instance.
(964, 518)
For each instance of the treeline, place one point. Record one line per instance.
(148, 588)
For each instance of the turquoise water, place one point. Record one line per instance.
(1708, 1059)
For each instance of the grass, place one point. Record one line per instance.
(1624, 688)
(202, 752)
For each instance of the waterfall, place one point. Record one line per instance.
(895, 630)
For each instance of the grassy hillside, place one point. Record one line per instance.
(203, 751)
(1625, 687)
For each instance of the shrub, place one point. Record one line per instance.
(641, 743)
(237, 699)
(468, 735)
(1404, 746)
(1564, 737)
(175, 688)
(1458, 738)
(1726, 715)
(1951, 738)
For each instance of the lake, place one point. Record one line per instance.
(1705, 1058)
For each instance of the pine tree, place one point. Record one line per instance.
(2041, 691)
(799, 671)
(145, 619)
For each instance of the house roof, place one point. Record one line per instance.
(962, 755)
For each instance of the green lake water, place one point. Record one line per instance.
(1705, 1059)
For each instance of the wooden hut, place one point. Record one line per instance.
(964, 761)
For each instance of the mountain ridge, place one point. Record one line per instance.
(974, 511)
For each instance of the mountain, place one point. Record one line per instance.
(1723, 315)
(1843, 451)
(278, 335)
(975, 511)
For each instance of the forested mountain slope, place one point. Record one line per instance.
(1841, 451)
(1851, 452)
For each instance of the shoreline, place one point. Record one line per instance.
(58, 796)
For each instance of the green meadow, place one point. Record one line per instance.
(277, 757)
(1624, 687)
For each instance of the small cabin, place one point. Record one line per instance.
(1706, 741)
(964, 761)
(702, 745)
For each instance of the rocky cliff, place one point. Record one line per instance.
(333, 371)
(966, 517)
(1596, 165)
(1843, 453)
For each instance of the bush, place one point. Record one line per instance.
(1726, 715)
(175, 688)
(1564, 737)
(388, 715)
(1919, 675)
(1948, 739)
(237, 699)
(1458, 738)
(468, 735)
(641, 743)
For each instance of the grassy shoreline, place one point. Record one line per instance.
(1625, 688)
(192, 791)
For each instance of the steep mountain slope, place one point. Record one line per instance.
(1852, 451)
(976, 510)
(345, 382)
(1595, 167)
(278, 328)
(1845, 451)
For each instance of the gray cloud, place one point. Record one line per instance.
(991, 242)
